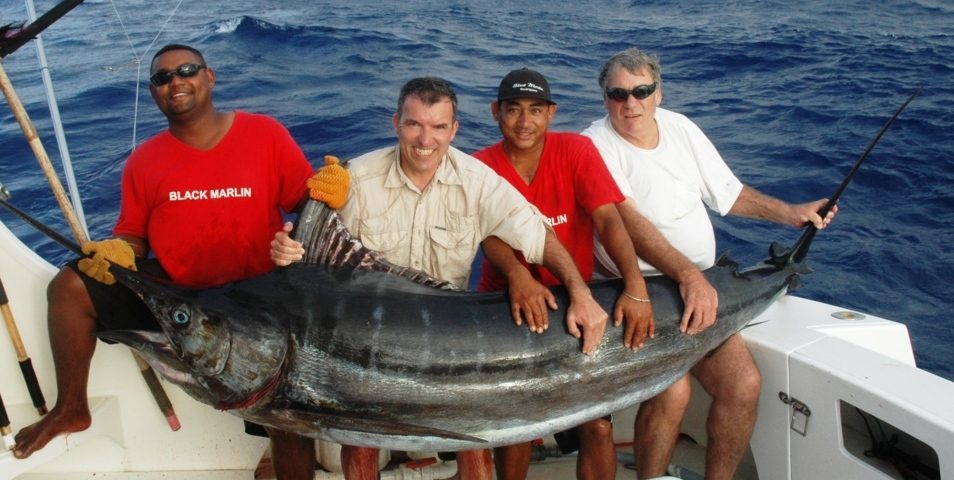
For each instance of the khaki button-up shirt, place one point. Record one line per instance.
(438, 230)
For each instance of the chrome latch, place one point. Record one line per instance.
(800, 413)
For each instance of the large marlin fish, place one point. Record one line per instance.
(350, 348)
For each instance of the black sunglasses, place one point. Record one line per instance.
(185, 70)
(640, 92)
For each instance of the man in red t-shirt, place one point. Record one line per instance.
(563, 175)
(205, 197)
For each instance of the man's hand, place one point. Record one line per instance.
(330, 183)
(103, 252)
(529, 300)
(585, 313)
(285, 250)
(640, 322)
(702, 304)
(805, 213)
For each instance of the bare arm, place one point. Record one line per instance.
(755, 204)
(583, 311)
(700, 298)
(638, 315)
(529, 298)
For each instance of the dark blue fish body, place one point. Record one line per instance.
(352, 349)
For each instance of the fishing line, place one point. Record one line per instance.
(138, 59)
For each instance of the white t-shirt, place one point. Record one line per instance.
(671, 184)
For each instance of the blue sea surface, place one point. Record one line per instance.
(791, 93)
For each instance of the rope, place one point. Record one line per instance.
(138, 60)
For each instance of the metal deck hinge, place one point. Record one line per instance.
(800, 413)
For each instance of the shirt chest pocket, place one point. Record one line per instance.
(385, 234)
(453, 248)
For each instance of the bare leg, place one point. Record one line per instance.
(293, 456)
(656, 429)
(513, 461)
(597, 460)
(359, 463)
(474, 465)
(71, 323)
(733, 380)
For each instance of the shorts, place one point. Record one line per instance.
(117, 307)
(255, 429)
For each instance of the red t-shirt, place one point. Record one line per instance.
(209, 216)
(571, 181)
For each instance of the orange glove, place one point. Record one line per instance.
(330, 183)
(104, 251)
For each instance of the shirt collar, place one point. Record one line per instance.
(448, 171)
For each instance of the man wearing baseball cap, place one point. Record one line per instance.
(563, 175)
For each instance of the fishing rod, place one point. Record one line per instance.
(49, 232)
(29, 131)
(10, 43)
(26, 364)
(798, 251)
(148, 374)
(13, 38)
(5, 430)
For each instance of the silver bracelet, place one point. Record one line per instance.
(633, 297)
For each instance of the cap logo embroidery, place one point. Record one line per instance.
(529, 86)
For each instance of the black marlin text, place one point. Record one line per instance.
(213, 194)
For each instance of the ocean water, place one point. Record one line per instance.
(790, 92)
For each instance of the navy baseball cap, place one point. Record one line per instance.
(524, 83)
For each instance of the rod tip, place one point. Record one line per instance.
(173, 422)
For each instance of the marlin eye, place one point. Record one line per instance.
(180, 317)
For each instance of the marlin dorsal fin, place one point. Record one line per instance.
(328, 242)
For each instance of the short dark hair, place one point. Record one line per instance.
(430, 90)
(176, 46)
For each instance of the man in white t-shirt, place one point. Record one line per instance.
(669, 173)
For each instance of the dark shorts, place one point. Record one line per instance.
(117, 307)
(255, 429)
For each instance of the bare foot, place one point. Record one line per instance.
(58, 421)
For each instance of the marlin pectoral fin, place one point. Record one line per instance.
(725, 260)
(366, 424)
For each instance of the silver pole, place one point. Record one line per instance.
(58, 125)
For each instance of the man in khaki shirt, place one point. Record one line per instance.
(437, 227)
(427, 205)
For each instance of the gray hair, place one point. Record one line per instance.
(635, 61)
